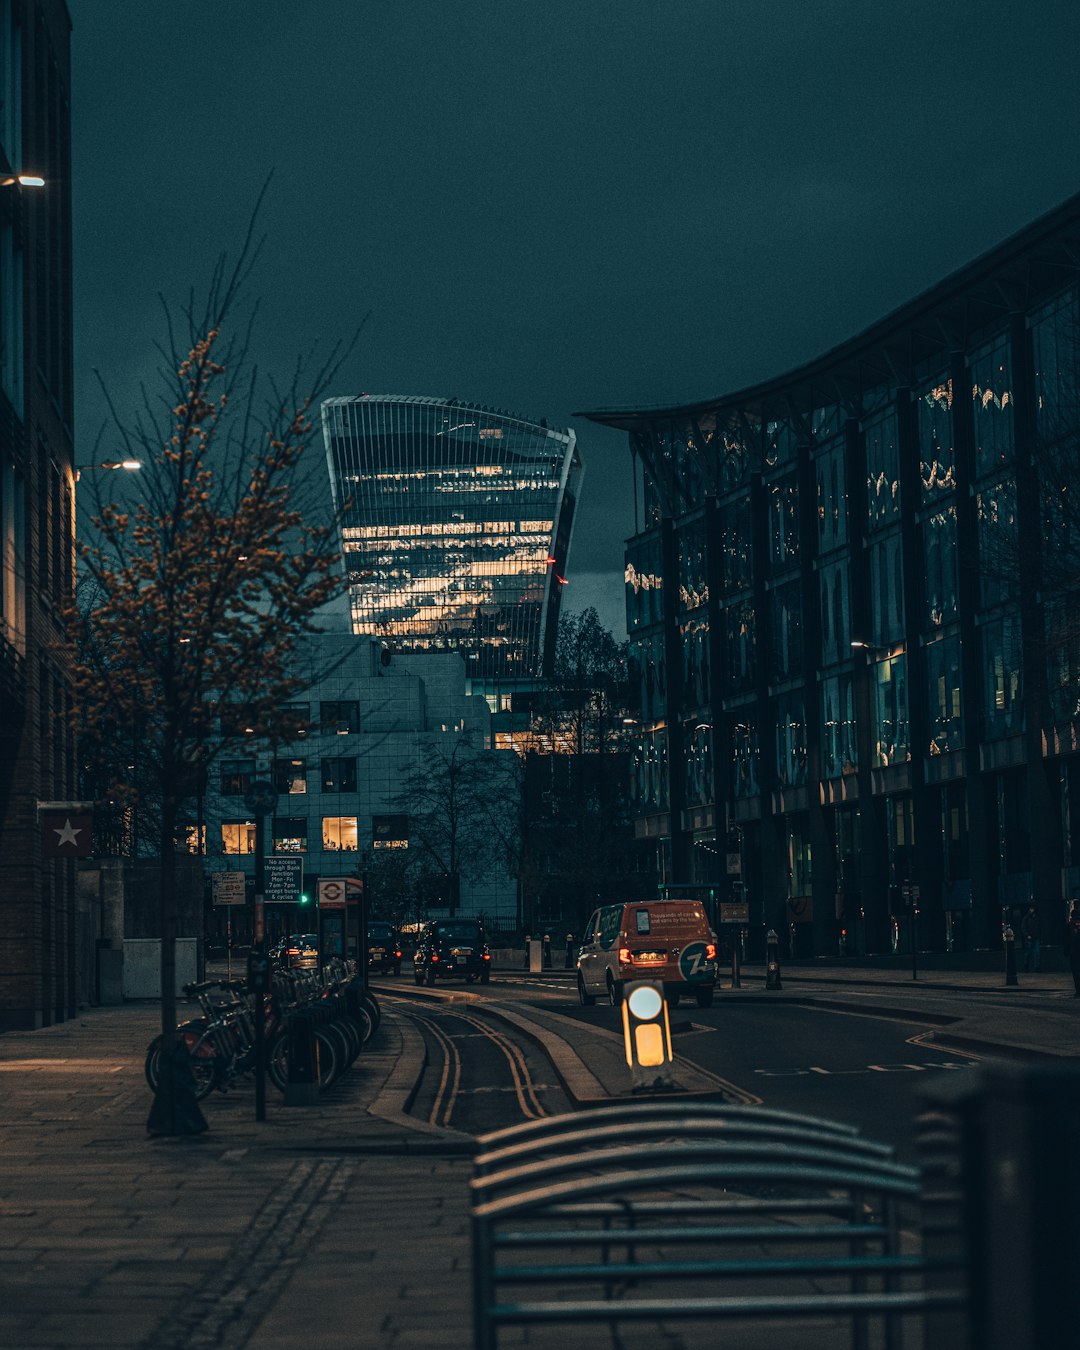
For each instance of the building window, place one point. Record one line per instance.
(942, 578)
(999, 555)
(835, 613)
(192, 838)
(992, 407)
(790, 741)
(887, 591)
(1003, 711)
(943, 695)
(892, 743)
(831, 499)
(937, 457)
(340, 719)
(293, 721)
(339, 833)
(339, 775)
(744, 757)
(739, 646)
(236, 776)
(290, 834)
(237, 836)
(882, 471)
(787, 631)
(290, 775)
(390, 831)
(839, 753)
(784, 523)
(736, 546)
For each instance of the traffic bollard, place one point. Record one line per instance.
(528, 948)
(302, 1085)
(569, 963)
(1009, 938)
(736, 978)
(547, 951)
(772, 961)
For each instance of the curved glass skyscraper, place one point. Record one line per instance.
(455, 527)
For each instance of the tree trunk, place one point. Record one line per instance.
(175, 1108)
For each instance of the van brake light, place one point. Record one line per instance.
(710, 951)
(625, 956)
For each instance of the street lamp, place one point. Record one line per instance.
(29, 180)
(128, 464)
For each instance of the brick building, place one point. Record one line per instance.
(38, 957)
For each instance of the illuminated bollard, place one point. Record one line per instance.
(647, 1035)
(569, 963)
(772, 960)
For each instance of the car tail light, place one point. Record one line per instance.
(397, 953)
(434, 956)
(710, 951)
(624, 956)
(487, 956)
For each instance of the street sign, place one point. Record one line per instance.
(734, 913)
(332, 893)
(229, 888)
(283, 879)
(734, 864)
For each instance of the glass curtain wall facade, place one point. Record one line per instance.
(852, 601)
(47, 969)
(456, 524)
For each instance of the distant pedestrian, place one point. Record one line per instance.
(1030, 932)
(1072, 944)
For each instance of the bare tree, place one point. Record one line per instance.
(202, 590)
(463, 804)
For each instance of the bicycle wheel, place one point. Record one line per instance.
(277, 1060)
(203, 1070)
(328, 1059)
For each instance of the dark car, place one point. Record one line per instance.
(383, 948)
(300, 951)
(452, 948)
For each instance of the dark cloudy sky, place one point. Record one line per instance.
(551, 205)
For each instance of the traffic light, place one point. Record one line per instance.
(305, 899)
(647, 1034)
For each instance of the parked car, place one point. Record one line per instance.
(668, 940)
(300, 951)
(452, 948)
(383, 948)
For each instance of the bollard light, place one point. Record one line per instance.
(647, 1034)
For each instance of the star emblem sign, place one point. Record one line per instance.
(67, 834)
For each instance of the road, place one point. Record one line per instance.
(862, 1068)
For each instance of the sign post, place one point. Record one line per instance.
(229, 889)
(260, 799)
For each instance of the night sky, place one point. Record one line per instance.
(555, 205)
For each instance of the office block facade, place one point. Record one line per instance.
(39, 958)
(373, 719)
(456, 524)
(853, 610)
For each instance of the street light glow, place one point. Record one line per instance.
(30, 180)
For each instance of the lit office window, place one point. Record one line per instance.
(339, 833)
(238, 836)
(290, 775)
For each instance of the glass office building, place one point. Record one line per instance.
(456, 524)
(852, 599)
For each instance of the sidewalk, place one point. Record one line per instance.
(343, 1224)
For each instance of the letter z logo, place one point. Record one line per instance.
(693, 962)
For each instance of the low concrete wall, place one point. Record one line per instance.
(142, 966)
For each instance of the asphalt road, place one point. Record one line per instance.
(860, 1068)
(857, 1068)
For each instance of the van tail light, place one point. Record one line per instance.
(710, 951)
(625, 956)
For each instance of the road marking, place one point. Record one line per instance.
(927, 1040)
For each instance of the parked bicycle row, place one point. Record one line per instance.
(219, 1044)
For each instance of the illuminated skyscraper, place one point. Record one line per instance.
(456, 525)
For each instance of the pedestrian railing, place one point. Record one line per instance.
(678, 1211)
